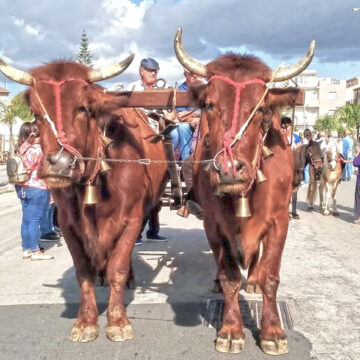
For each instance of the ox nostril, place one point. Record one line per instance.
(238, 165)
(53, 159)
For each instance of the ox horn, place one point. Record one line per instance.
(189, 63)
(110, 71)
(17, 75)
(290, 71)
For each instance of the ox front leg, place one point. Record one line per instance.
(86, 326)
(118, 269)
(273, 337)
(230, 337)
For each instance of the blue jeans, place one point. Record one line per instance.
(181, 137)
(47, 221)
(306, 174)
(34, 202)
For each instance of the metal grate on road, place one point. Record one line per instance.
(251, 311)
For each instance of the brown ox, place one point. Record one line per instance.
(228, 183)
(100, 237)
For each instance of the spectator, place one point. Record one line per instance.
(348, 145)
(306, 140)
(286, 129)
(356, 163)
(47, 228)
(33, 193)
(322, 140)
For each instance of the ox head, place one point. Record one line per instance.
(68, 108)
(239, 109)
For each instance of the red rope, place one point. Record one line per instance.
(58, 113)
(229, 135)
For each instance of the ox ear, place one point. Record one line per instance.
(285, 97)
(99, 101)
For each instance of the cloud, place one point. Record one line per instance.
(278, 30)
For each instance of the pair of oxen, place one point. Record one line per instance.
(239, 120)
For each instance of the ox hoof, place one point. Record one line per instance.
(336, 213)
(295, 216)
(226, 345)
(253, 289)
(326, 213)
(84, 334)
(277, 347)
(117, 333)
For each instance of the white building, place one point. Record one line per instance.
(322, 96)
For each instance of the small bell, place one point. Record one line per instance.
(260, 177)
(107, 141)
(267, 153)
(104, 166)
(242, 208)
(90, 197)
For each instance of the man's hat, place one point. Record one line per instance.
(150, 64)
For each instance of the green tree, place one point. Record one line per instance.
(327, 123)
(348, 116)
(84, 56)
(18, 107)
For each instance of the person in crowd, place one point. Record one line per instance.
(356, 163)
(306, 140)
(33, 193)
(348, 153)
(322, 140)
(47, 227)
(287, 131)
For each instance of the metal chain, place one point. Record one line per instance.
(145, 161)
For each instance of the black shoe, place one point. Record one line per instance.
(138, 241)
(50, 237)
(155, 237)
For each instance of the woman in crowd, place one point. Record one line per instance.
(33, 193)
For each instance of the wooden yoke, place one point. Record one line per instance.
(155, 99)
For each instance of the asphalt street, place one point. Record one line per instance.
(168, 310)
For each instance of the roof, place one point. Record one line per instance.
(4, 91)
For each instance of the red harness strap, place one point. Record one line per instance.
(59, 123)
(229, 135)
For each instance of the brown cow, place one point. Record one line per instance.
(239, 117)
(100, 237)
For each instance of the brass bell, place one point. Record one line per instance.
(242, 208)
(107, 141)
(90, 197)
(267, 153)
(260, 177)
(104, 166)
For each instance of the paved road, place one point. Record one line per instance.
(319, 283)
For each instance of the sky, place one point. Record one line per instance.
(277, 31)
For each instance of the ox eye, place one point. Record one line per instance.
(208, 106)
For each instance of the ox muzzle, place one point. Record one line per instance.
(61, 169)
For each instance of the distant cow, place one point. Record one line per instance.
(239, 117)
(73, 114)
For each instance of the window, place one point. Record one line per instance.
(332, 95)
